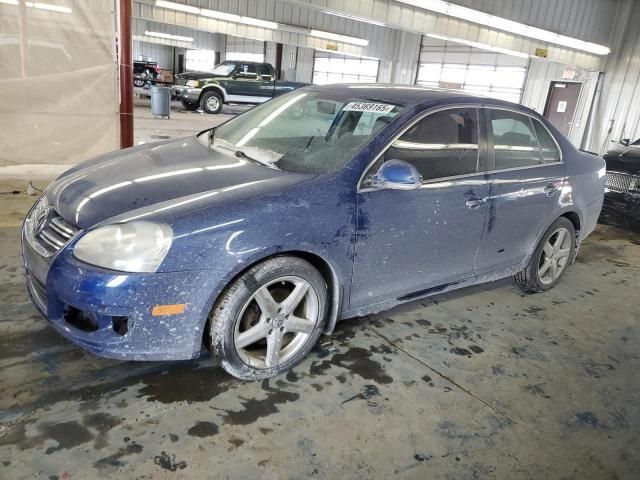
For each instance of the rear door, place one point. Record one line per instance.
(526, 179)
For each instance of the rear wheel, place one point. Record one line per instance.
(269, 319)
(211, 102)
(550, 259)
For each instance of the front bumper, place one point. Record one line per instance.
(119, 307)
(186, 94)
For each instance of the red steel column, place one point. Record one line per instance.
(126, 73)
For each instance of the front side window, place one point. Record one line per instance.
(308, 132)
(514, 140)
(443, 144)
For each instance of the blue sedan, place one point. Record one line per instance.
(329, 202)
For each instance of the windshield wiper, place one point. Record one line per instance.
(211, 137)
(241, 154)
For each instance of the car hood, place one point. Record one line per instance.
(164, 172)
(625, 160)
(198, 75)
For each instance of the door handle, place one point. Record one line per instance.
(474, 201)
(551, 189)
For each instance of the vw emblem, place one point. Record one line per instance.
(39, 216)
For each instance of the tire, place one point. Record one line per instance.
(247, 325)
(540, 274)
(138, 82)
(211, 102)
(189, 106)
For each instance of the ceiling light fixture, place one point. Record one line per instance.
(40, 6)
(339, 38)
(353, 17)
(168, 36)
(483, 46)
(228, 17)
(506, 25)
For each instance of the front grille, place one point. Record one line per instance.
(623, 182)
(53, 235)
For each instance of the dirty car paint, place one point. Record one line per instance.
(226, 215)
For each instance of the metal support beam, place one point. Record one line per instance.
(126, 73)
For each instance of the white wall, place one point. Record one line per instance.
(540, 75)
(162, 54)
(304, 66)
(617, 113)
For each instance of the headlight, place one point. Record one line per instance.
(127, 247)
(192, 83)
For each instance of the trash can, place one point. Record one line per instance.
(161, 101)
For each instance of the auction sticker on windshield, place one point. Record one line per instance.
(368, 107)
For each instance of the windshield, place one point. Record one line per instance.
(223, 69)
(308, 132)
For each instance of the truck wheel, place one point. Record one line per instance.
(211, 102)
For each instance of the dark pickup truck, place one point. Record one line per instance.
(230, 82)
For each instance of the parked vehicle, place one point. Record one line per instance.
(258, 235)
(145, 73)
(622, 198)
(230, 82)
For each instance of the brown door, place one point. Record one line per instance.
(561, 104)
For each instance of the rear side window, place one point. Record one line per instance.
(265, 71)
(443, 144)
(514, 140)
(550, 152)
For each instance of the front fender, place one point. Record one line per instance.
(215, 85)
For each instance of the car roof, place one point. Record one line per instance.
(415, 94)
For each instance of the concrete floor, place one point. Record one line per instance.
(483, 383)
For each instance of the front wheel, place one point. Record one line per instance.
(550, 259)
(211, 102)
(268, 319)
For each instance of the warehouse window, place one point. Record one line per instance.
(200, 60)
(447, 65)
(334, 68)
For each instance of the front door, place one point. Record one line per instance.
(561, 105)
(527, 176)
(244, 84)
(411, 241)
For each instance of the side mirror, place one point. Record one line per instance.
(396, 175)
(625, 142)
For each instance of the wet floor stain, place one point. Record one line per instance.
(169, 462)
(588, 419)
(254, 409)
(203, 429)
(368, 392)
(115, 460)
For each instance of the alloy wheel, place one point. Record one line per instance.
(555, 256)
(276, 322)
(213, 103)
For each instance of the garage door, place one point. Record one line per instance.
(459, 67)
(244, 49)
(334, 68)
